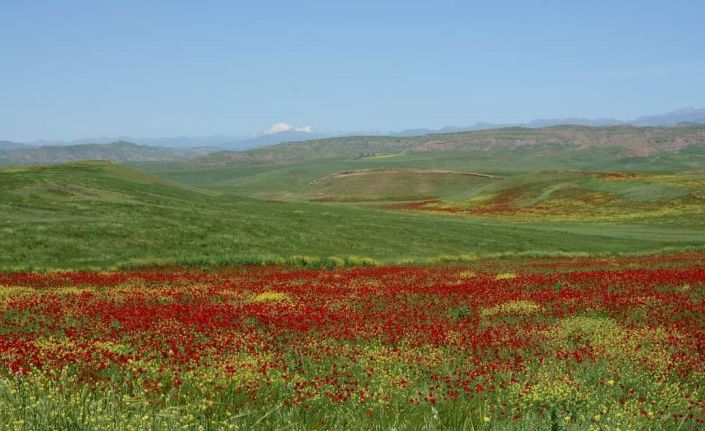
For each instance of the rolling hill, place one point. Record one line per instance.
(101, 215)
(657, 199)
(286, 171)
(119, 151)
(562, 189)
(370, 185)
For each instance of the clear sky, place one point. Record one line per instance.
(72, 69)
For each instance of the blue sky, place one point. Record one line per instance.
(73, 69)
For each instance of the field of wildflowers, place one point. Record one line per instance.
(562, 343)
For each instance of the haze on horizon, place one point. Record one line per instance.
(74, 69)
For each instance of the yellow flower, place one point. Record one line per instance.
(512, 307)
(271, 296)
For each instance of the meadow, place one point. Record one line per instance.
(389, 286)
(562, 343)
(103, 216)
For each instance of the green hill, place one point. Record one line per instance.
(286, 171)
(395, 185)
(101, 214)
(119, 151)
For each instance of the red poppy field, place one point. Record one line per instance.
(613, 343)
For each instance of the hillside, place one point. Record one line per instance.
(119, 151)
(394, 185)
(101, 214)
(90, 182)
(568, 195)
(664, 199)
(292, 180)
(623, 141)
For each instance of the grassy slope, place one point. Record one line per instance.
(291, 181)
(677, 198)
(98, 214)
(394, 185)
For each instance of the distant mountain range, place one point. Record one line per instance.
(674, 118)
(183, 148)
(686, 115)
(681, 116)
(193, 142)
(8, 145)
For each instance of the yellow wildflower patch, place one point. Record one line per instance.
(72, 291)
(512, 307)
(9, 292)
(272, 296)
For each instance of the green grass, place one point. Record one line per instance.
(394, 185)
(522, 180)
(270, 180)
(102, 215)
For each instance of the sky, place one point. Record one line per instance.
(76, 69)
